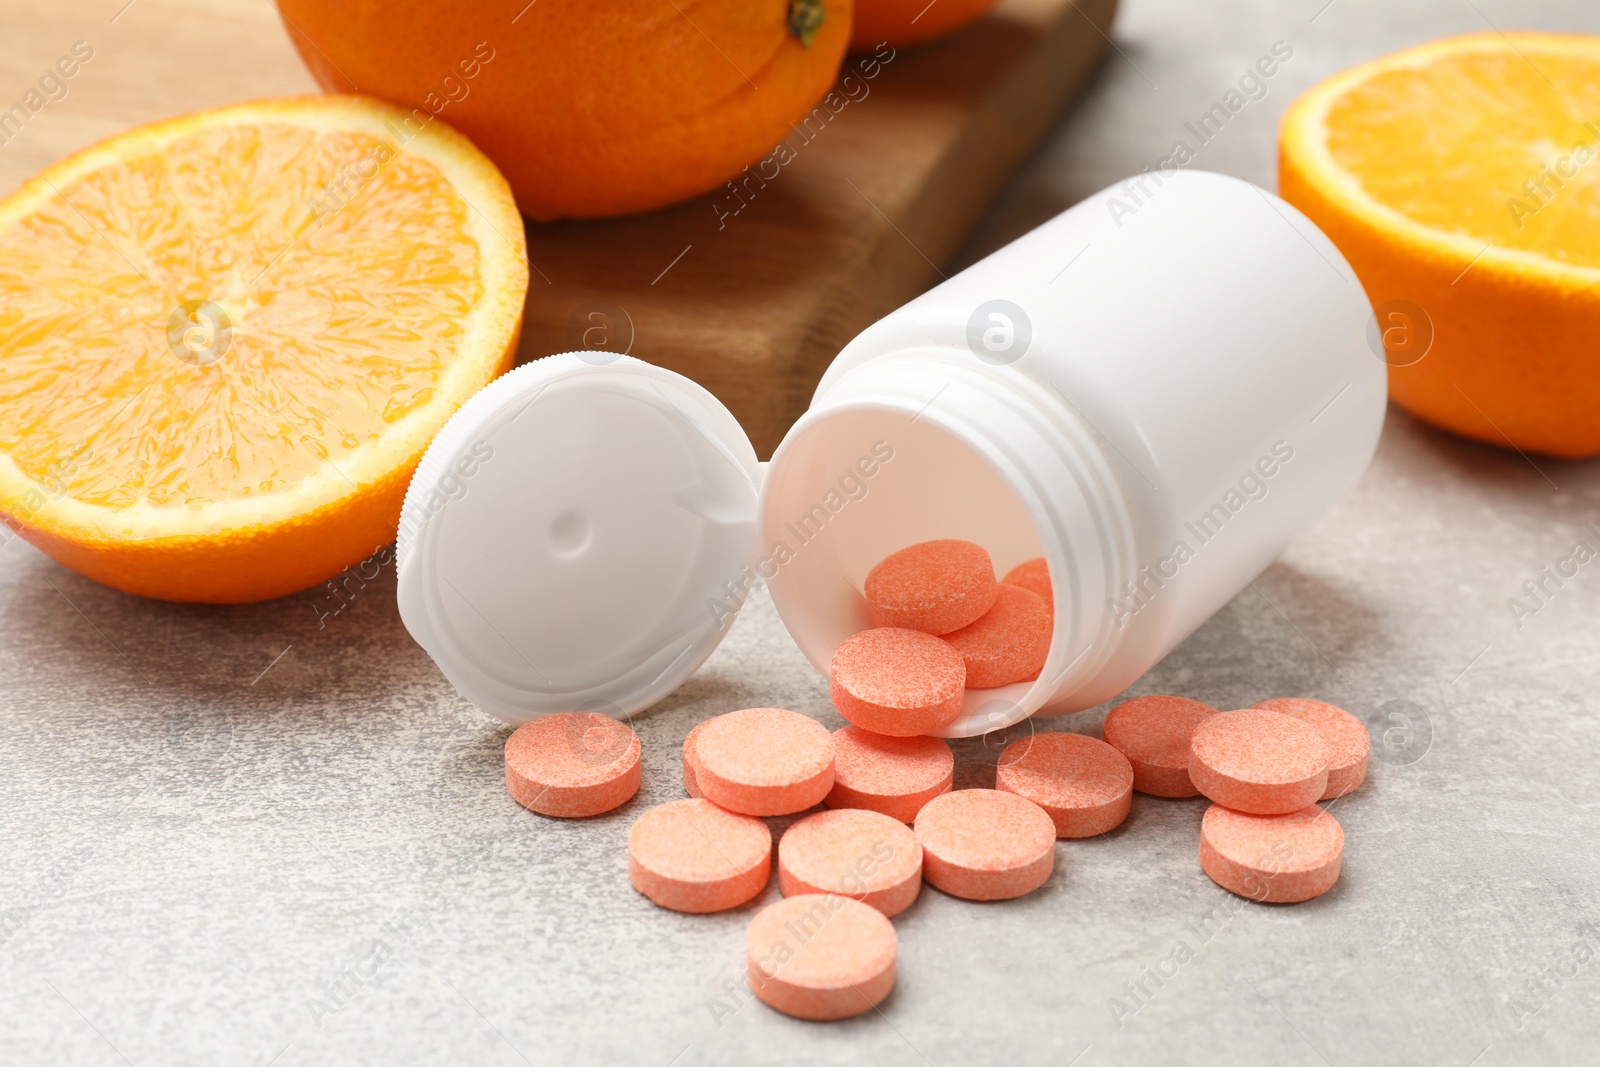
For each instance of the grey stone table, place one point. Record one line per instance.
(274, 834)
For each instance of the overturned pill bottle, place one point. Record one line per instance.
(1155, 391)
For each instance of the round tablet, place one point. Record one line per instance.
(691, 786)
(1082, 783)
(1034, 576)
(897, 682)
(1008, 644)
(891, 775)
(1153, 732)
(764, 761)
(982, 844)
(1343, 735)
(862, 855)
(935, 587)
(573, 764)
(1259, 762)
(820, 956)
(690, 855)
(1280, 859)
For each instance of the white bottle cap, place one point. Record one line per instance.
(577, 537)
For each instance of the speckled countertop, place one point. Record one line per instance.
(274, 834)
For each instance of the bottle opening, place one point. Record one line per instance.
(848, 489)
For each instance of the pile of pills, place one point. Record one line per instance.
(942, 624)
(1264, 769)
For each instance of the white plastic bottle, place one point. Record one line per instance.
(1155, 391)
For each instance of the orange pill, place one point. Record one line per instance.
(573, 764)
(1082, 783)
(764, 761)
(863, 855)
(1153, 732)
(1280, 859)
(897, 682)
(1008, 644)
(1259, 762)
(690, 855)
(691, 786)
(891, 775)
(935, 587)
(1034, 576)
(820, 956)
(1343, 735)
(982, 844)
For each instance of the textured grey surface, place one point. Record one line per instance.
(274, 834)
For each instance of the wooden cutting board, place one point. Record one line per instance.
(861, 218)
(750, 290)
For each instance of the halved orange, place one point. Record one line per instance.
(226, 340)
(1461, 179)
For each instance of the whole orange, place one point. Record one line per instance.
(589, 107)
(902, 22)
